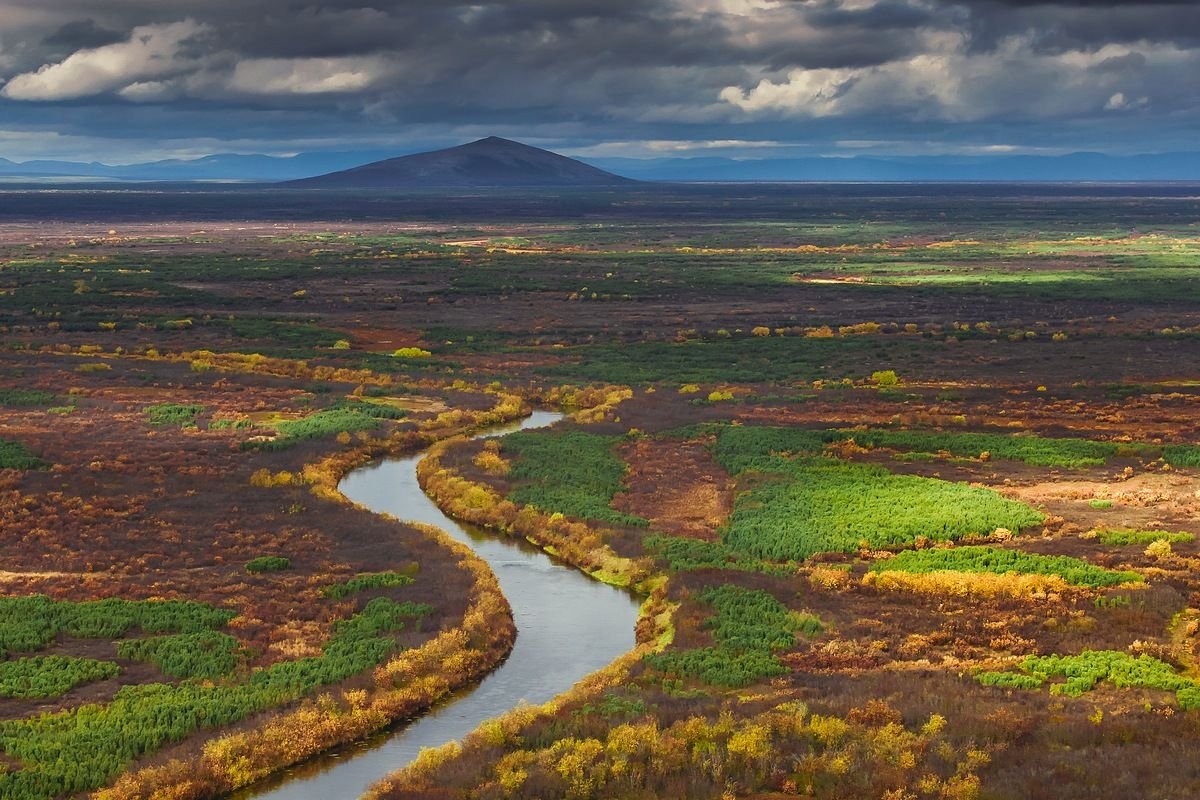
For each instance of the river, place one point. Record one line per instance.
(568, 625)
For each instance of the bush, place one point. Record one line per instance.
(1084, 671)
(1122, 536)
(207, 654)
(267, 564)
(885, 378)
(103, 740)
(749, 626)
(570, 472)
(367, 580)
(24, 398)
(327, 423)
(178, 414)
(810, 506)
(29, 623)
(1182, 455)
(14, 455)
(1000, 561)
(411, 352)
(51, 676)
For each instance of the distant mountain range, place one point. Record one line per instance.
(1070, 167)
(492, 162)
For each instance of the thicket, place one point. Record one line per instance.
(70, 752)
(367, 580)
(682, 554)
(749, 627)
(25, 398)
(180, 414)
(1116, 537)
(571, 472)
(14, 455)
(370, 409)
(1084, 671)
(267, 564)
(30, 623)
(1000, 561)
(740, 445)
(1182, 455)
(329, 422)
(1036, 450)
(207, 654)
(51, 676)
(803, 506)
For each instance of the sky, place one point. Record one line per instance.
(123, 81)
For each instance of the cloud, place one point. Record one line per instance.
(150, 52)
(576, 74)
(806, 92)
(275, 76)
(82, 34)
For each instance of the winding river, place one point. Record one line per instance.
(568, 625)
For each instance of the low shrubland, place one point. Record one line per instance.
(267, 564)
(78, 750)
(30, 623)
(795, 507)
(1084, 671)
(570, 472)
(182, 415)
(365, 581)
(25, 398)
(1116, 537)
(14, 455)
(749, 627)
(206, 654)
(51, 676)
(1001, 561)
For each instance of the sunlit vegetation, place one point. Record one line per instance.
(1116, 537)
(1036, 450)
(25, 398)
(182, 415)
(82, 749)
(30, 623)
(785, 749)
(796, 507)
(267, 564)
(369, 580)
(14, 455)
(348, 418)
(570, 472)
(51, 676)
(208, 654)
(749, 627)
(683, 554)
(327, 423)
(1085, 671)
(1028, 448)
(1182, 455)
(859, 364)
(1000, 561)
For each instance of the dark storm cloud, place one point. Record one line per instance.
(288, 75)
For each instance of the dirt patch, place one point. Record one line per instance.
(677, 486)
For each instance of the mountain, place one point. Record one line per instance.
(490, 162)
(238, 168)
(1070, 167)
(219, 167)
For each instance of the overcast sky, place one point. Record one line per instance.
(133, 80)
